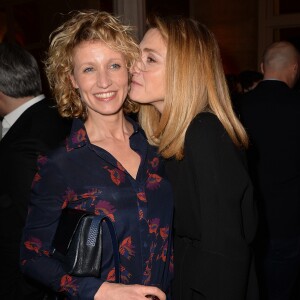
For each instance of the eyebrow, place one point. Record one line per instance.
(91, 62)
(151, 50)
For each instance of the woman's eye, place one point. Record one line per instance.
(87, 70)
(150, 59)
(115, 66)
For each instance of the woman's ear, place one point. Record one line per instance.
(262, 68)
(73, 81)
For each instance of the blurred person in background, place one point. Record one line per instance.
(271, 116)
(30, 126)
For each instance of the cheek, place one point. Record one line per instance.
(126, 89)
(160, 91)
(123, 82)
(159, 84)
(86, 84)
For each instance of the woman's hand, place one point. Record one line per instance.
(117, 291)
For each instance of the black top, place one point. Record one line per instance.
(271, 116)
(215, 216)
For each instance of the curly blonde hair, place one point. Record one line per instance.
(87, 25)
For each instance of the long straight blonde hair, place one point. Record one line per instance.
(195, 82)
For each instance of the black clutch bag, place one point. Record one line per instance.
(78, 243)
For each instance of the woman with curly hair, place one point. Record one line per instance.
(105, 167)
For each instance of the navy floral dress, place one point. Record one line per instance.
(86, 177)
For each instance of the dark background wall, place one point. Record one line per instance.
(235, 23)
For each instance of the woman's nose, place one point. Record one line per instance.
(137, 67)
(103, 80)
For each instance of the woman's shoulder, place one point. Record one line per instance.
(207, 135)
(206, 132)
(205, 124)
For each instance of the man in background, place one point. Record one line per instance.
(271, 116)
(30, 126)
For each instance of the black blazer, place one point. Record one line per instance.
(271, 116)
(37, 130)
(215, 216)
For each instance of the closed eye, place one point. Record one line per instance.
(150, 60)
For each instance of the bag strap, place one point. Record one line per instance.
(94, 233)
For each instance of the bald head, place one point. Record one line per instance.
(281, 61)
